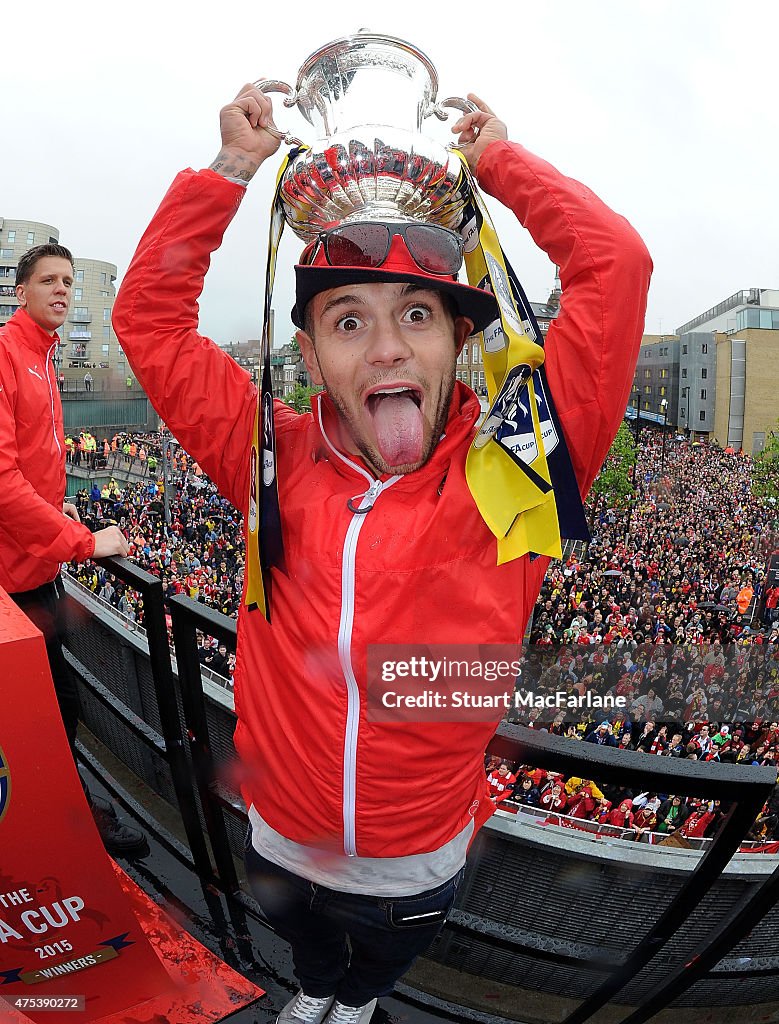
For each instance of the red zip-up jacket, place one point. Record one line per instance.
(500, 786)
(35, 536)
(420, 566)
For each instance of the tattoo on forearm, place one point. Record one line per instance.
(232, 165)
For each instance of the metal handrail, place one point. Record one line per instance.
(185, 615)
(131, 625)
(150, 589)
(71, 583)
(744, 788)
(588, 827)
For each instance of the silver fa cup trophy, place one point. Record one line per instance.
(367, 97)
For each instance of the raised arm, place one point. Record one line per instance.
(592, 346)
(205, 398)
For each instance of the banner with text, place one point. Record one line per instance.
(71, 945)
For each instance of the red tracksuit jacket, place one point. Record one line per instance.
(35, 537)
(420, 567)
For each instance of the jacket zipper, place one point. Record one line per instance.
(49, 355)
(345, 631)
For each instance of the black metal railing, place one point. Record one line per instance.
(187, 617)
(744, 788)
(170, 743)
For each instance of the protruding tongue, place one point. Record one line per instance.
(398, 423)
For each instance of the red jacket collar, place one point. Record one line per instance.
(33, 334)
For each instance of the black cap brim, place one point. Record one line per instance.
(475, 303)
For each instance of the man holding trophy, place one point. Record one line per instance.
(383, 538)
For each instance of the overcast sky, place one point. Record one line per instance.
(668, 110)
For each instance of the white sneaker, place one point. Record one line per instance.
(303, 1009)
(343, 1014)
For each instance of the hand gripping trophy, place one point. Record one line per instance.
(395, 512)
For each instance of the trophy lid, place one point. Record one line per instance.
(378, 42)
(366, 78)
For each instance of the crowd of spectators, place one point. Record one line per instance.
(671, 567)
(199, 554)
(667, 608)
(626, 813)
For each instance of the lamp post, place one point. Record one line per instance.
(57, 360)
(664, 407)
(685, 408)
(637, 395)
(166, 475)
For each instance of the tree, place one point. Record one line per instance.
(765, 468)
(300, 397)
(613, 485)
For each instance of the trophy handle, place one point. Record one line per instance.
(452, 101)
(274, 85)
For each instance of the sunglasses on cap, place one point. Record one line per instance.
(435, 249)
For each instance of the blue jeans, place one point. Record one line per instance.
(385, 934)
